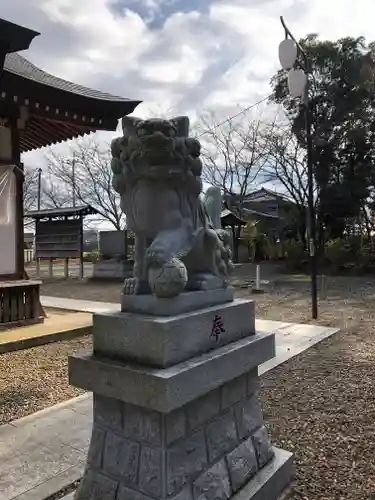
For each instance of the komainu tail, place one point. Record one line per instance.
(213, 203)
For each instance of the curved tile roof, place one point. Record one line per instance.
(59, 110)
(19, 65)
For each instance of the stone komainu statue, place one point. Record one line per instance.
(179, 243)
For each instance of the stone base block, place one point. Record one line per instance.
(188, 301)
(163, 341)
(112, 270)
(268, 484)
(180, 421)
(215, 447)
(272, 481)
(169, 388)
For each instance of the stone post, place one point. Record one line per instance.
(177, 413)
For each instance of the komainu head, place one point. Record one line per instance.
(158, 149)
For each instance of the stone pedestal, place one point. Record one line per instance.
(112, 269)
(177, 413)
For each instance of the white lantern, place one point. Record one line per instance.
(287, 53)
(297, 80)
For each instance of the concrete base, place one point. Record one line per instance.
(217, 442)
(271, 483)
(192, 430)
(186, 302)
(112, 270)
(262, 487)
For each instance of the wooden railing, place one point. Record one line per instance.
(20, 303)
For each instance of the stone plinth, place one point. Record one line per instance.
(172, 421)
(112, 269)
(186, 302)
(166, 340)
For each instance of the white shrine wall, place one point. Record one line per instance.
(8, 226)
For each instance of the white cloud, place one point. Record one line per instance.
(107, 43)
(222, 53)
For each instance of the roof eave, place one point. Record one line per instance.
(52, 213)
(14, 37)
(125, 108)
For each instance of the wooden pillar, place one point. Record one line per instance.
(66, 268)
(233, 236)
(19, 175)
(2, 60)
(50, 268)
(37, 266)
(235, 244)
(37, 260)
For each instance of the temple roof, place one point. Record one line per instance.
(229, 218)
(58, 110)
(19, 65)
(55, 213)
(14, 37)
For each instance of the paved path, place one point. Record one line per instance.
(78, 305)
(45, 452)
(60, 326)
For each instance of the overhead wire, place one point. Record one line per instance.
(235, 115)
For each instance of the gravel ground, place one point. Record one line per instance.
(319, 405)
(33, 379)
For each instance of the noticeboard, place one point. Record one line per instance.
(58, 239)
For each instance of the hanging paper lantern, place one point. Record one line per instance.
(287, 53)
(297, 80)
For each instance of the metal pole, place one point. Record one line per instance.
(74, 179)
(39, 186)
(81, 263)
(310, 176)
(311, 204)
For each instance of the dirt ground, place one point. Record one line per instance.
(320, 405)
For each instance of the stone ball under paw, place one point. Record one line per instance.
(168, 280)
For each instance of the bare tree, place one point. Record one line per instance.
(30, 192)
(286, 171)
(54, 192)
(234, 155)
(234, 152)
(286, 168)
(30, 188)
(84, 175)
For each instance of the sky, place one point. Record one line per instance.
(179, 55)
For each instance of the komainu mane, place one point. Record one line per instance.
(157, 172)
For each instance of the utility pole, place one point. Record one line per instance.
(39, 186)
(74, 179)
